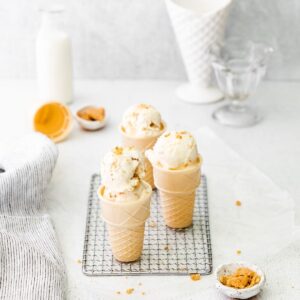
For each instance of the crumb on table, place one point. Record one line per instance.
(238, 203)
(129, 291)
(78, 261)
(238, 252)
(143, 293)
(118, 292)
(195, 276)
(167, 247)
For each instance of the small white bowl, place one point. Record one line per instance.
(246, 293)
(89, 125)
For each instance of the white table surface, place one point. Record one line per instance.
(273, 146)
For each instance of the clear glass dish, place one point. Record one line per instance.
(239, 67)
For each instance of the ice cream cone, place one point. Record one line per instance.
(126, 224)
(142, 144)
(177, 193)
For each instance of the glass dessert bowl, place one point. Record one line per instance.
(239, 67)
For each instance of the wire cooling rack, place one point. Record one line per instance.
(166, 251)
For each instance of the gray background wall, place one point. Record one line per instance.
(134, 38)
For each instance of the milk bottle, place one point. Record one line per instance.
(53, 59)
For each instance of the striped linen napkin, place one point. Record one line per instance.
(31, 266)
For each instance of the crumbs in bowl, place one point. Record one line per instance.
(91, 113)
(242, 278)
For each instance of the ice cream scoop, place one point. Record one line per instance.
(174, 150)
(122, 170)
(142, 120)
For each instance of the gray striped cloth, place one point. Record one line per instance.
(31, 266)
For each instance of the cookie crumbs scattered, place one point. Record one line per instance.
(167, 248)
(78, 261)
(195, 276)
(238, 252)
(143, 293)
(129, 291)
(118, 292)
(238, 203)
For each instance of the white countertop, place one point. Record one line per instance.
(273, 146)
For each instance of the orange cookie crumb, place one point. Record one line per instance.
(195, 276)
(118, 150)
(238, 252)
(167, 248)
(238, 203)
(129, 291)
(242, 278)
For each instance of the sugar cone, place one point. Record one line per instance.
(126, 224)
(177, 193)
(142, 144)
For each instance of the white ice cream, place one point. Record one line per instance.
(122, 170)
(174, 150)
(142, 120)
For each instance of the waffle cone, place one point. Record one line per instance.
(126, 243)
(126, 224)
(177, 189)
(142, 144)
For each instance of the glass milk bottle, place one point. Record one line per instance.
(53, 59)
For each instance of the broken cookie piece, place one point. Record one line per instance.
(91, 113)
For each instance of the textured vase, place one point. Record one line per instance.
(198, 24)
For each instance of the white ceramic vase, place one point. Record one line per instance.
(197, 25)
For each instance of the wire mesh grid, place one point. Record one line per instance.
(166, 251)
